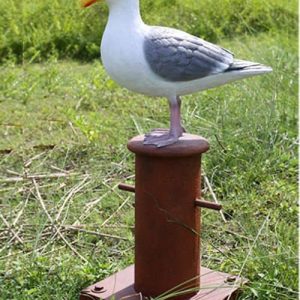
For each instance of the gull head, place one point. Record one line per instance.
(87, 3)
(128, 8)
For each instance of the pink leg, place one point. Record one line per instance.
(162, 137)
(175, 118)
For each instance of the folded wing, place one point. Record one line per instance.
(178, 56)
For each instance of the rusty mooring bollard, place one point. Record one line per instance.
(167, 229)
(167, 219)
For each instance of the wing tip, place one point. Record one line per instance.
(248, 66)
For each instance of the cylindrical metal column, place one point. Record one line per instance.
(167, 221)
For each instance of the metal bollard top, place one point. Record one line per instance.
(188, 145)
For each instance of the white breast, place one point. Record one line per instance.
(123, 57)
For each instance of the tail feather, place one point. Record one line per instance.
(248, 66)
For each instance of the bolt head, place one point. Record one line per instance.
(98, 289)
(230, 279)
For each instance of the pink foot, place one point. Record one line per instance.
(160, 138)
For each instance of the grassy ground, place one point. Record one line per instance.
(66, 125)
(38, 30)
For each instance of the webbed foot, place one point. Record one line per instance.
(160, 138)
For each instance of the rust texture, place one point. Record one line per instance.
(167, 221)
(126, 187)
(120, 286)
(208, 204)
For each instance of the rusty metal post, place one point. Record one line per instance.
(167, 220)
(167, 230)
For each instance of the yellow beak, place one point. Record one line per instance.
(87, 3)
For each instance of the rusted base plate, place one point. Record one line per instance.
(214, 286)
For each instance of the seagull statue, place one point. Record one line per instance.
(164, 62)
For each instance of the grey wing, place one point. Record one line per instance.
(178, 56)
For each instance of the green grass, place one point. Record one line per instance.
(70, 116)
(38, 30)
(66, 117)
